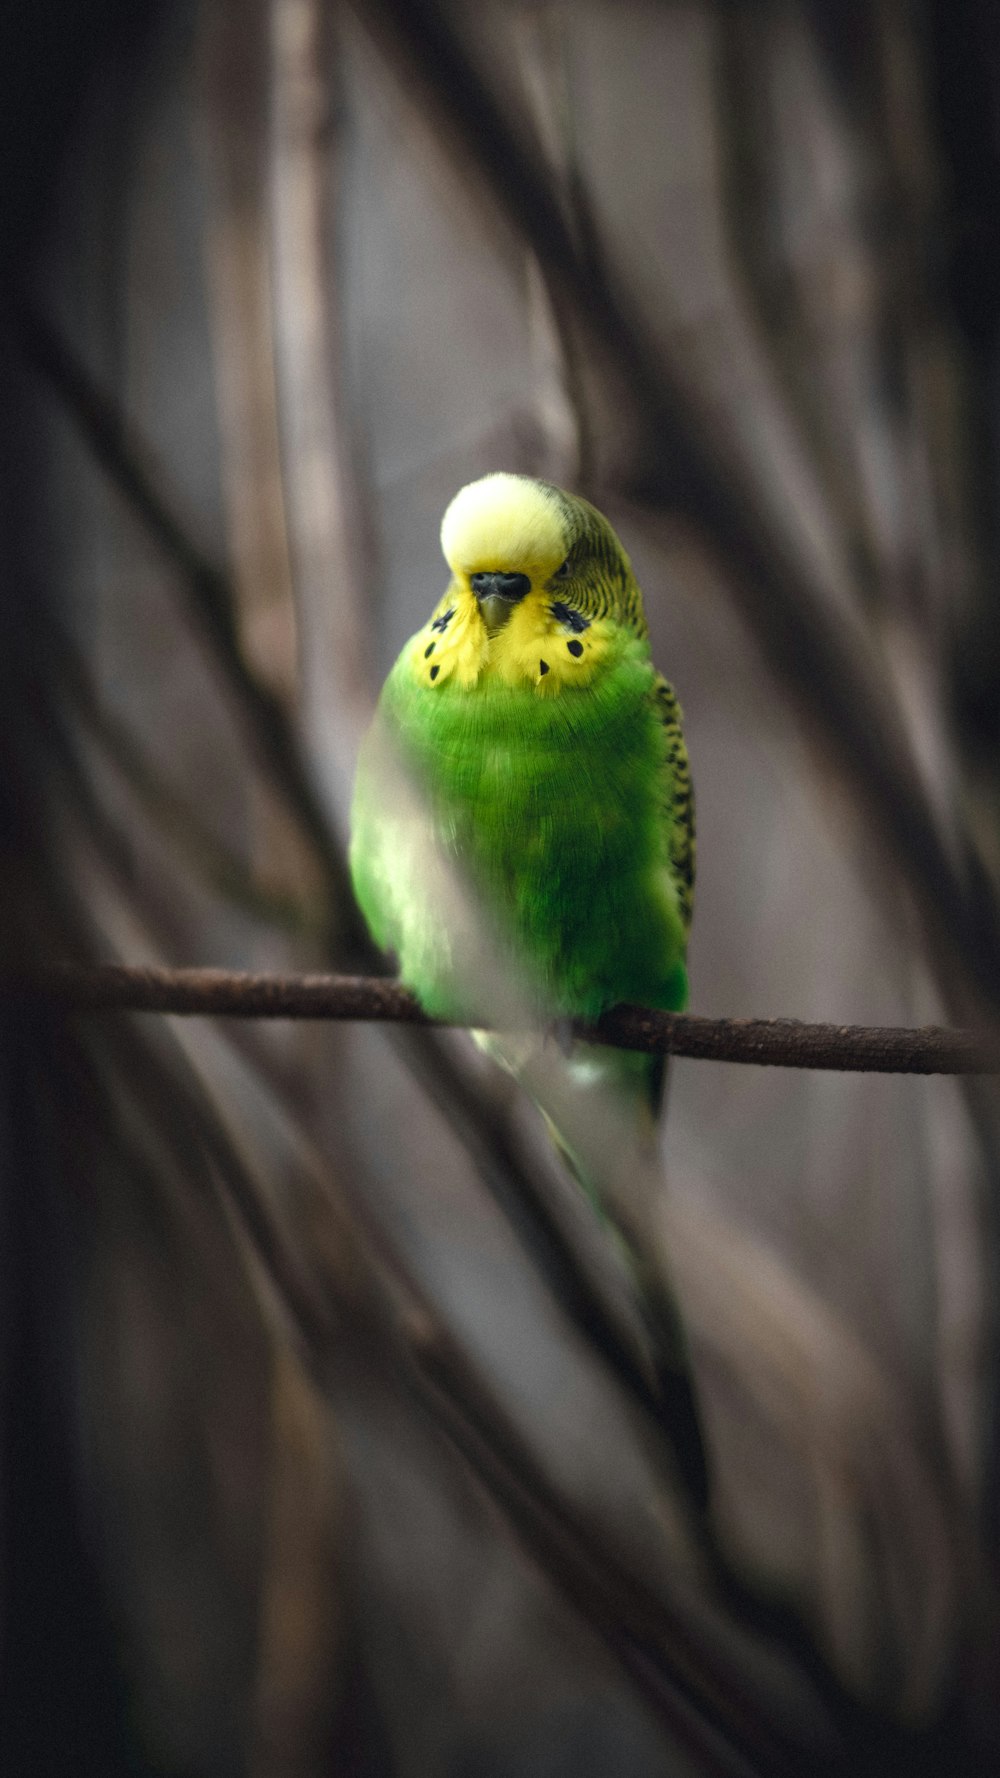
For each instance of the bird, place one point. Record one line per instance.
(550, 758)
(553, 759)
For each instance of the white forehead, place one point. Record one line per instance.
(502, 521)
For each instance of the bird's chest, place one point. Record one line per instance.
(544, 798)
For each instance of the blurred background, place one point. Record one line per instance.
(312, 1455)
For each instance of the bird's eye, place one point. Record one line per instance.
(562, 570)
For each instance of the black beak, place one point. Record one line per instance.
(497, 595)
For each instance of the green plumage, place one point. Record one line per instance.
(556, 808)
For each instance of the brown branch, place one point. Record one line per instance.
(774, 1043)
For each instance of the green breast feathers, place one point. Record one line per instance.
(551, 761)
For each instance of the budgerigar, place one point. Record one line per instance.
(551, 759)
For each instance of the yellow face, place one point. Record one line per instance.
(507, 530)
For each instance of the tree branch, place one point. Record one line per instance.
(775, 1043)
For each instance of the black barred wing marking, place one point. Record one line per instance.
(680, 803)
(596, 574)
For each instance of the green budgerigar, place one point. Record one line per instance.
(552, 759)
(550, 763)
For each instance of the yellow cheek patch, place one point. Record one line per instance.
(543, 643)
(454, 645)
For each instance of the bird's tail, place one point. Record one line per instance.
(640, 1082)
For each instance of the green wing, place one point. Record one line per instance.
(679, 798)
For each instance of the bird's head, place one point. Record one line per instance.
(508, 536)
